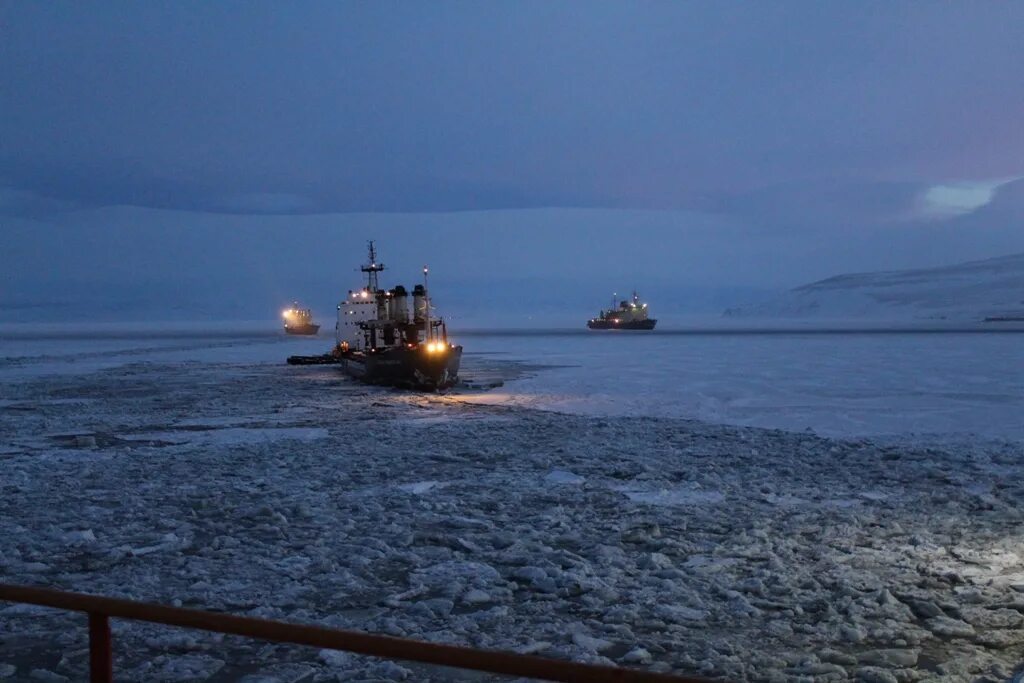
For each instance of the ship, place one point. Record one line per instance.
(382, 339)
(625, 315)
(299, 321)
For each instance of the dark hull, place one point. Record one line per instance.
(631, 325)
(307, 330)
(405, 368)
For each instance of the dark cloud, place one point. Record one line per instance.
(824, 204)
(796, 113)
(1007, 206)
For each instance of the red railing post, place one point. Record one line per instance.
(101, 661)
(101, 610)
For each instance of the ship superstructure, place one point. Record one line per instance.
(624, 315)
(298, 320)
(384, 336)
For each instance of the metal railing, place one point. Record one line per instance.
(100, 610)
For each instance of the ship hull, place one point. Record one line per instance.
(305, 330)
(630, 325)
(405, 368)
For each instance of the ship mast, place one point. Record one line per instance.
(426, 305)
(371, 270)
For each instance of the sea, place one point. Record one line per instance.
(847, 382)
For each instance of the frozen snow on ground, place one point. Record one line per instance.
(851, 384)
(220, 478)
(846, 383)
(965, 291)
(674, 496)
(420, 487)
(563, 477)
(54, 349)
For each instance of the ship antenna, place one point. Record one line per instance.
(371, 270)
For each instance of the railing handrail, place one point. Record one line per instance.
(456, 656)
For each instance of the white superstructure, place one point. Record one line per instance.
(358, 307)
(372, 318)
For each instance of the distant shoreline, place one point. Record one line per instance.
(261, 330)
(727, 331)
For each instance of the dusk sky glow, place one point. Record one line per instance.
(846, 129)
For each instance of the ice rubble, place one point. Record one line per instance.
(663, 543)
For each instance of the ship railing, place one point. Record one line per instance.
(100, 610)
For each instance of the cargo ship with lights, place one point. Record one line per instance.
(384, 338)
(625, 315)
(299, 321)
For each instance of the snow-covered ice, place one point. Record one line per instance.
(845, 384)
(969, 291)
(639, 536)
(670, 496)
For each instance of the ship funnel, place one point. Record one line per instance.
(400, 305)
(419, 304)
(383, 305)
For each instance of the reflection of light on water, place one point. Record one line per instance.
(483, 397)
(522, 399)
(1000, 564)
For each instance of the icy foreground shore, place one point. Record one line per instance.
(286, 493)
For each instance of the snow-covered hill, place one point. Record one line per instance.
(967, 291)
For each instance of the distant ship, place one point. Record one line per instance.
(299, 321)
(626, 315)
(380, 341)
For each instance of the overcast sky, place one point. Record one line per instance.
(854, 124)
